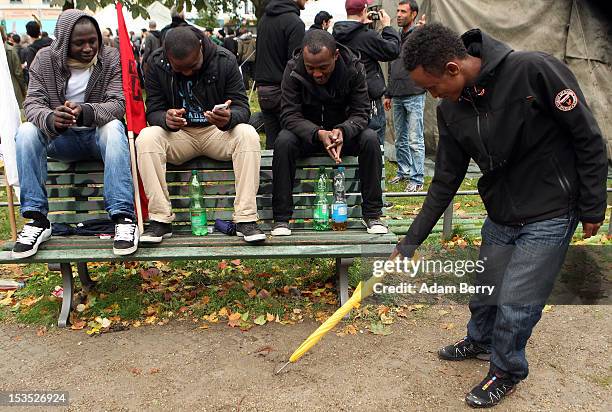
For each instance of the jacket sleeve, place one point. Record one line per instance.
(383, 47)
(16, 70)
(296, 33)
(359, 106)
(37, 104)
(451, 166)
(157, 99)
(552, 78)
(113, 106)
(292, 118)
(234, 91)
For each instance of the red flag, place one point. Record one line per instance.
(135, 110)
(134, 104)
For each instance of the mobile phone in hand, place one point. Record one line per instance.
(221, 106)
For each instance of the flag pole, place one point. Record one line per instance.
(11, 208)
(135, 181)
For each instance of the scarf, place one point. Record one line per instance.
(75, 64)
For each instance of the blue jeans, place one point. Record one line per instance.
(409, 140)
(107, 143)
(378, 121)
(522, 262)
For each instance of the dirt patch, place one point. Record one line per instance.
(181, 367)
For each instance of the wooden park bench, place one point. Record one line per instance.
(75, 195)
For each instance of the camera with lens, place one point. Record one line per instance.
(374, 12)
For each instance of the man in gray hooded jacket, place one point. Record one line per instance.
(74, 108)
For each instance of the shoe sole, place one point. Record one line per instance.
(281, 232)
(46, 235)
(151, 239)
(377, 230)
(252, 238)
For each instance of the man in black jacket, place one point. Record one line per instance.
(38, 42)
(322, 21)
(524, 120)
(373, 47)
(325, 109)
(279, 32)
(408, 102)
(152, 42)
(187, 78)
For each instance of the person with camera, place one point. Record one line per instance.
(374, 47)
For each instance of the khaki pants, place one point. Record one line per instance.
(156, 146)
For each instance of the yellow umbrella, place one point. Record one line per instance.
(363, 290)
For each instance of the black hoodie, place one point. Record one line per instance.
(400, 82)
(373, 48)
(217, 81)
(279, 32)
(31, 51)
(341, 103)
(526, 124)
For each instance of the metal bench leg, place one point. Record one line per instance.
(342, 266)
(87, 282)
(64, 317)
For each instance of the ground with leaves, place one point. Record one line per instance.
(183, 366)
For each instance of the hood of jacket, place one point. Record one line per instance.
(492, 53)
(60, 47)
(155, 33)
(278, 7)
(346, 30)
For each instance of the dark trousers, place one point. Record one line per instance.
(270, 102)
(288, 148)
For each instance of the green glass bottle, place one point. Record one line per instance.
(321, 210)
(199, 222)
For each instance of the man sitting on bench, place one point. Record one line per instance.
(197, 106)
(74, 106)
(325, 108)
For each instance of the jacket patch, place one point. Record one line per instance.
(566, 100)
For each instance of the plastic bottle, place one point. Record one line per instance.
(321, 210)
(339, 207)
(199, 223)
(10, 284)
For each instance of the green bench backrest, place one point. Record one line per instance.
(75, 190)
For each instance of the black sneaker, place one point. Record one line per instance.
(126, 237)
(281, 229)
(156, 232)
(250, 232)
(490, 391)
(462, 350)
(30, 237)
(375, 226)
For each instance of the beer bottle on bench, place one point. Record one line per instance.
(199, 223)
(339, 207)
(321, 211)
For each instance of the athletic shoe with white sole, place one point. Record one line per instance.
(30, 238)
(281, 229)
(375, 226)
(250, 232)
(126, 237)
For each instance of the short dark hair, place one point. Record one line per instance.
(432, 46)
(414, 6)
(16, 38)
(180, 42)
(33, 28)
(230, 31)
(321, 17)
(317, 40)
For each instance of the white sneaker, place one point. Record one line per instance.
(29, 240)
(281, 229)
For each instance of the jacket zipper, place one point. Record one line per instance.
(481, 141)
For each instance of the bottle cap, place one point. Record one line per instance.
(341, 169)
(194, 172)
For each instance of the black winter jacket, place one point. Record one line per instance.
(280, 31)
(400, 82)
(527, 125)
(340, 104)
(373, 47)
(219, 80)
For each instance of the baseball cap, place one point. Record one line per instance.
(356, 6)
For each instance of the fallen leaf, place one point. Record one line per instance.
(204, 326)
(248, 285)
(269, 317)
(448, 326)
(263, 351)
(235, 262)
(29, 301)
(78, 325)
(245, 316)
(80, 307)
(252, 293)
(377, 328)
(263, 294)
(223, 312)
(8, 300)
(234, 319)
(135, 371)
(547, 309)
(153, 370)
(222, 264)
(261, 320)
(41, 331)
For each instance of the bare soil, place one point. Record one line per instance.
(181, 367)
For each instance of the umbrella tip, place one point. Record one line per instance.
(283, 367)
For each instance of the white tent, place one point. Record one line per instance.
(107, 17)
